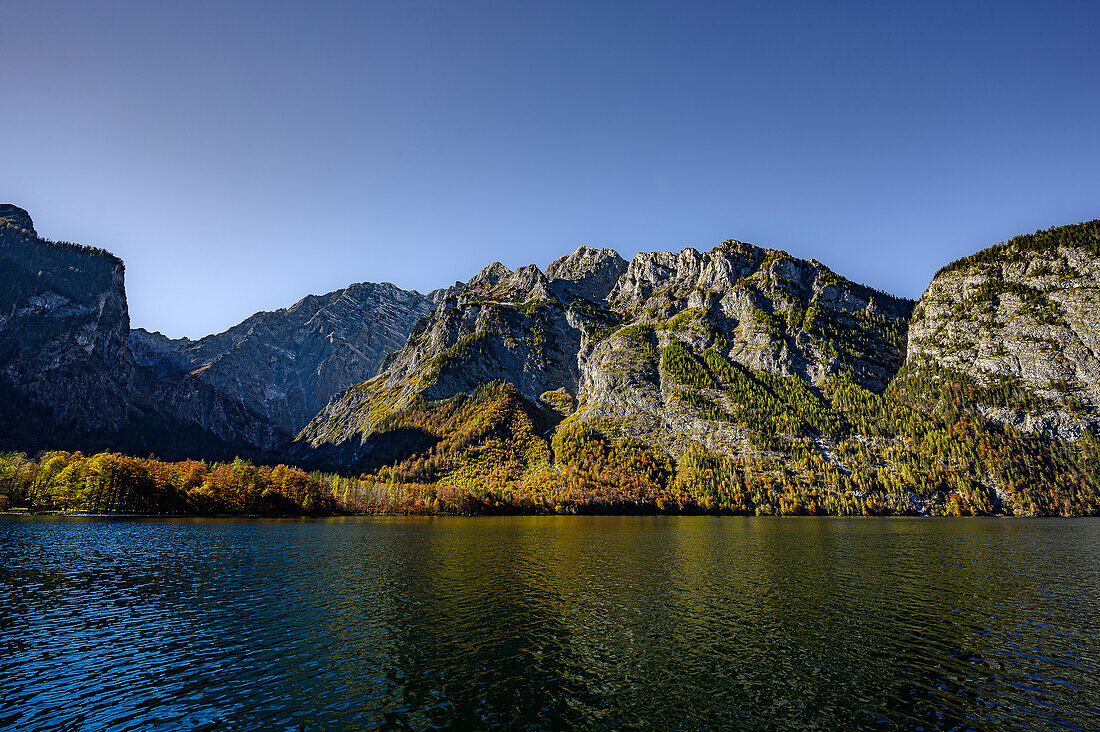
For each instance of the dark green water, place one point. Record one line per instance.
(550, 622)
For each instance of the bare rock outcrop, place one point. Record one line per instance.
(286, 364)
(1022, 318)
(592, 329)
(586, 273)
(63, 327)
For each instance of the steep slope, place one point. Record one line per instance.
(588, 338)
(285, 365)
(708, 333)
(519, 327)
(68, 379)
(1021, 320)
(63, 327)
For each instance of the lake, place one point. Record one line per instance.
(551, 622)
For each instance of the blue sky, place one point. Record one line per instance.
(238, 156)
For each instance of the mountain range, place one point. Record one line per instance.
(739, 379)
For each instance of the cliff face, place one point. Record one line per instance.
(768, 311)
(587, 273)
(68, 379)
(521, 327)
(63, 328)
(587, 339)
(284, 366)
(1022, 319)
(666, 377)
(73, 373)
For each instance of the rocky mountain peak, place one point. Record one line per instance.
(588, 273)
(438, 296)
(497, 282)
(489, 277)
(718, 269)
(529, 283)
(14, 216)
(286, 364)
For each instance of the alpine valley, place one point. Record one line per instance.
(738, 380)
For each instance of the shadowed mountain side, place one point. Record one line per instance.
(284, 365)
(489, 430)
(68, 374)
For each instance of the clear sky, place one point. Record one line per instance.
(240, 155)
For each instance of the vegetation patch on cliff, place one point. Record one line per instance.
(1085, 235)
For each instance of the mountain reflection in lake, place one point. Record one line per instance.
(549, 622)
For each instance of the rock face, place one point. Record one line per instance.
(73, 374)
(522, 327)
(68, 379)
(586, 273)
(768, 311)
(761, 311)
(1021, 318)
(285, 365)
(585, 340)
(13, 217)
(63, 328)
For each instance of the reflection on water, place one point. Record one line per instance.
(551, 622)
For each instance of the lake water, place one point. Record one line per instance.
(549, 622)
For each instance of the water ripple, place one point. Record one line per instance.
(549, 623)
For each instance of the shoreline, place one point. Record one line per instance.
(637, 514)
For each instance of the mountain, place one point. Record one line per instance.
(1022, 320)
(67, 376)
(285, 365)
(738, 314)
(520, 327)
(740, 380)
(63, 327)
(74, 375)
(607, 342)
